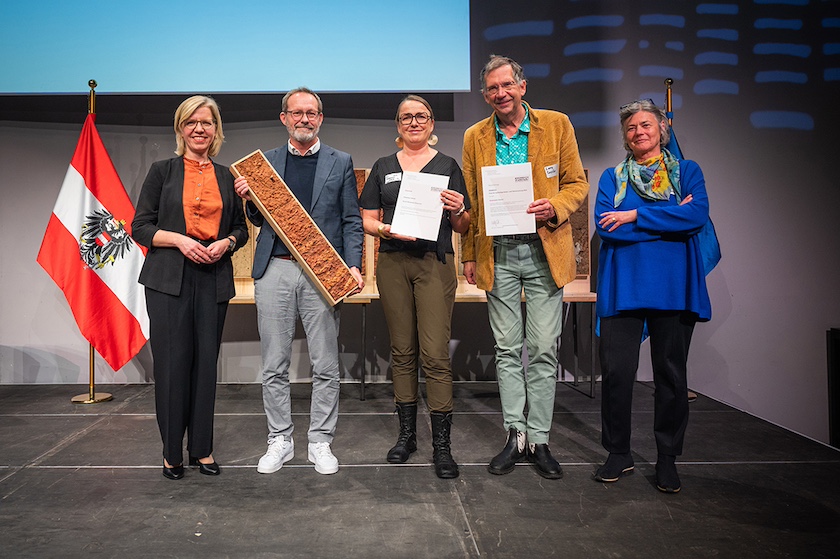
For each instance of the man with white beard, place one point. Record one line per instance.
(323, 181)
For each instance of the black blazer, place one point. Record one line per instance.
(160, 206)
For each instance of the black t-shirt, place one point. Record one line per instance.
(383, 187)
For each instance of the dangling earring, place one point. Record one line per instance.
(399, 141)
(433, 139)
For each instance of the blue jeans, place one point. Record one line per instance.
(522, 265)
(282, 294)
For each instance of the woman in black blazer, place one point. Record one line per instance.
(191, 220)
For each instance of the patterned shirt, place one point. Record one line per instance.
(514, 149)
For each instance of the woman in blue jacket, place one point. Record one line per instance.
(650, 278)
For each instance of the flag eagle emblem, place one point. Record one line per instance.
(103, 240)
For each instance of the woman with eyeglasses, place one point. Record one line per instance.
(417, 281)
(651, 278)
(191, 220)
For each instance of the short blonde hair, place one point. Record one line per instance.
(183, 113)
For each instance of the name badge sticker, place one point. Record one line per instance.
(551, 171)
(393, 177)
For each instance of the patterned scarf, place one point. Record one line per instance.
(654, 179)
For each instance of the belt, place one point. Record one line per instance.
(284, 257)
(204, 242)
(524, 237)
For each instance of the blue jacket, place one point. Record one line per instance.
(335, 207)
(654, 262)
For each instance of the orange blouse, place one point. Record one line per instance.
(202, 200)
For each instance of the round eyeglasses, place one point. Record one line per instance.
(206, 124)
(421, 118)
(297, 115)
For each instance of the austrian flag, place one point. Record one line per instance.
(89, 253)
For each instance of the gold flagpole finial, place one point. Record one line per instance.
(92, 97)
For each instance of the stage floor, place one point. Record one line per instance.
(85, 481)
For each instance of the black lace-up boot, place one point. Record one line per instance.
(445, 466)
(407, 440)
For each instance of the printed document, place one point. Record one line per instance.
(419, 207)
(508, 191)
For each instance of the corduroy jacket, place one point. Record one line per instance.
(558, 176)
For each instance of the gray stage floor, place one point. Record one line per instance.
(84, 481)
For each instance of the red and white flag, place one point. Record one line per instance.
(89, 253)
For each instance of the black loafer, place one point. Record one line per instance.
(175, 472)
(505, 461)
(211, 469)
(667, 479)
(617, 465)
(544, 462)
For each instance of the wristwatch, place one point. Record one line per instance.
(232, 242)
(462, 210)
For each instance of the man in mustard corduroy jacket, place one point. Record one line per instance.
(540, 263)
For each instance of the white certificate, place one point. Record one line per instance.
(508, 191)
(419, 207)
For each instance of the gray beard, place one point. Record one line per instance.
(304, 135)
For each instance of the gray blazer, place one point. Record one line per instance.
(335, 207)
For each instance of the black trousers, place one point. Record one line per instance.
(621, 336)
(185, 336)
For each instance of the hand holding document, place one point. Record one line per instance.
(508, 190)
(419, 206)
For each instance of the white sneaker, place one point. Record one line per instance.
(280, 451)
(321, 455)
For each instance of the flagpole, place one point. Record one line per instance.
(669, 111)
(92, 397)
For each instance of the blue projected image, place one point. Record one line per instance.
(536, 70)
(217, 46)
(593, 75)
(718, 9)
(519, 29)
(595, 47)
(594, 21)
(787, 49)
(722, 34)
(709, 87)
(781, 76)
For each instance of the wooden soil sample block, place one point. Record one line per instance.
(298, 231)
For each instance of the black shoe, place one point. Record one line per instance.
(544, 462)
(505, 461)
(445, 465)
(617, 465)
(407, 439)
(667, 479)
(211, 469)
(175, 472)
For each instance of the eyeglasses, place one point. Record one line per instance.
(494, 89)
(297, 115)
(206, 124)
(421, 118)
